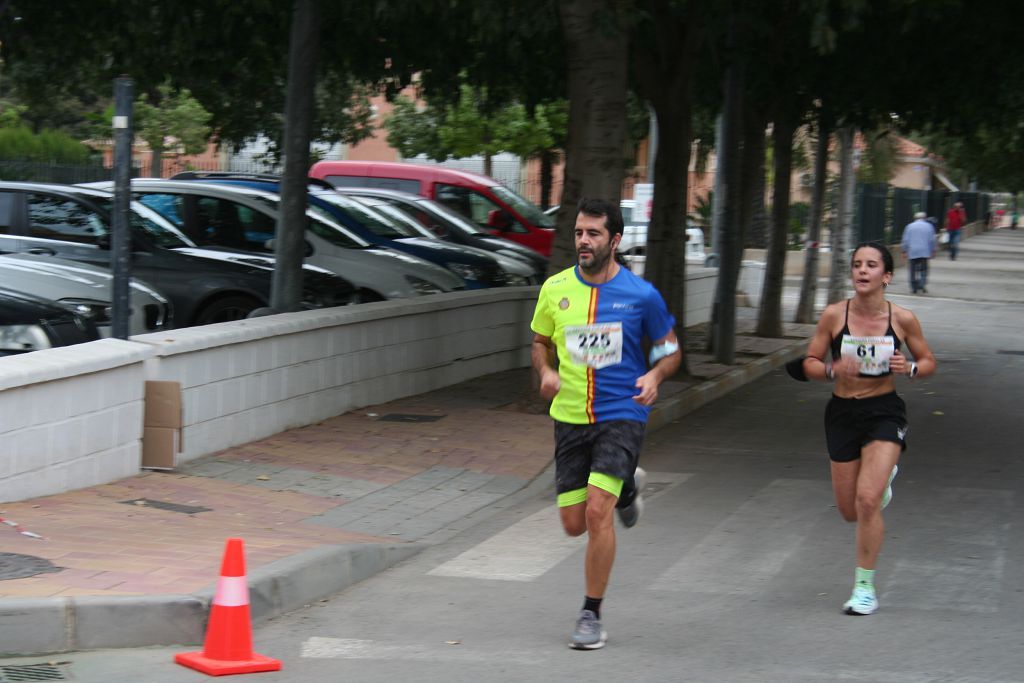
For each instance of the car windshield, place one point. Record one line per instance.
(453, 219)
(157, 229)
(323, 225)
(526, 209)
(404, 221)
(369, 218)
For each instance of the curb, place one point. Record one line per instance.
(36, 626)
(39, 626)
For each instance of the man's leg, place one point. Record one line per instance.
(600, 540)
(915, 269)
(924, 275)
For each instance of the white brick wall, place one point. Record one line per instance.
(70, 417)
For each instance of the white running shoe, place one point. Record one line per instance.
(887, 496)
(862, 601)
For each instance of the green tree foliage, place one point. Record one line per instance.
(19, 142)
(174, 115)
(464, 129)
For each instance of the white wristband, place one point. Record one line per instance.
(661, 350)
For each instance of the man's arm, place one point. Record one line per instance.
(542, 354)
(664, 367)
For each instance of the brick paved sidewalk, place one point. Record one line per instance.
(395, 477)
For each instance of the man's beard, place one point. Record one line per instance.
(599, 261)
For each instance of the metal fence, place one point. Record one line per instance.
(45, 172)
(872, 211)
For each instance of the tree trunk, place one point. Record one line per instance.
(156, 161)
(488, 164)
(724, 331)
(289, 242)
(769, 318)
(663, 75)
(809, 284)
(753, 218)
(597, 56)
(547, 162)
(752, 154)
(842, 233)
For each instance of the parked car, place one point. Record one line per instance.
(84, 289)
(483, 200)
(245, 219)
(454, 227)
(203, 285)
(28, 323)
(510, 272)
(476, 268)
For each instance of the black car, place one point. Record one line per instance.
(204, 285)
(28, 323)
(452, 226)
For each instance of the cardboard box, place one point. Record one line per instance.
(161, 425)
(163, 404)
(159, 447)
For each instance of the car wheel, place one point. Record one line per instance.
(225, 310)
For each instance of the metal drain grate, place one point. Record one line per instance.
(171, 507)
(50, 671)
(406, 417)
(16, 566)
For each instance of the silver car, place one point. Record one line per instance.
(84, 289)
(245, 219)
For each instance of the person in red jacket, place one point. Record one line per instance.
(956, 217)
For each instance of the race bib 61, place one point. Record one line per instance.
(871, 353)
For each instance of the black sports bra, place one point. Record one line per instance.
(873, 352)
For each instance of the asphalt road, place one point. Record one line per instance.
(739, 567)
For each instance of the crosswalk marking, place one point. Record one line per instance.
(965, 574)
(531, 546)
(749, 547)
(522, 552)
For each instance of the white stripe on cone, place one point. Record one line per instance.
(232, 591)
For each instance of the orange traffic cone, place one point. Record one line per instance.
(228, 646)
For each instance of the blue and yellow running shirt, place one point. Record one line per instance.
(597, 330)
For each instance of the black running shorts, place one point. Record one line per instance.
(611, 448)
(851, 423)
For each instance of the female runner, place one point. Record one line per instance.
(860, 344)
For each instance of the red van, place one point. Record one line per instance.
(485, 201)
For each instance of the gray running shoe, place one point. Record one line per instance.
(630, 514)
(589, 635)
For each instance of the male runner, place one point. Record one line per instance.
(594, 316)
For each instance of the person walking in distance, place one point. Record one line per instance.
(918, 246)
(956, 217)
(859, 345)
(589, 326)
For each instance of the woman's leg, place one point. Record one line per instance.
(877, 460)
